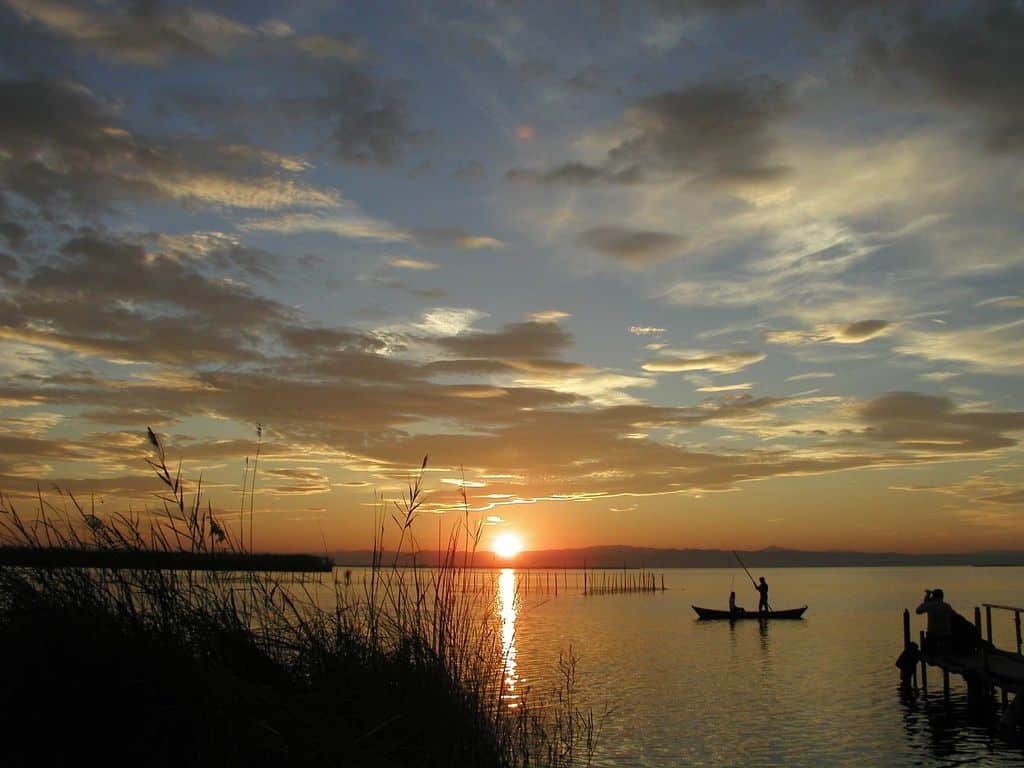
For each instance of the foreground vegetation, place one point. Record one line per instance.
(177, 667)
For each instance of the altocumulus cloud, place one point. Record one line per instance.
(842, 333)
(633, 247)
(967, 60)
(718, 362)
(715, 132)
(64, 146)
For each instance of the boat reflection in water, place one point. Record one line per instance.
(507, 598)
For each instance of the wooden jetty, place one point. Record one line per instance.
(985, 670)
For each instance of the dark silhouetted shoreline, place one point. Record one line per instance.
(142, 559)
(618, 556)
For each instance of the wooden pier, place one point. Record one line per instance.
(985, 670)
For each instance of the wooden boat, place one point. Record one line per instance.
(707, 614)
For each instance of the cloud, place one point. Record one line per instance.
(720, 362)
(599, 388)
(477, 366)
(367, 121)
(645, 330)
(821, 12)
(575, 174)
(992, 348)
(717, 133)
(861, 331)
(60, 145)
(632, 246)
(298, 481)
(8, 269)
(152, 34)
(811, 375)
(548, 316)
(331, 47)
(843, 333)
(1010, 497)
(452, 237)
(217, 251)
(139, 33)
(936, 425)
(966, 60)
(726, 387)
(399, 285)
(446, 321)
(1009, 302)
(515, 340)
(416, 265)
(114, 298)
(349, 222)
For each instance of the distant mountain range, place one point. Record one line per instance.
(617, 556)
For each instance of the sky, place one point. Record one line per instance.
(719, 273)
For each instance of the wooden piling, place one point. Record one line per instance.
(945, 682)
(924, 665)
(988, 621)
(906, 637)
(1016, 624)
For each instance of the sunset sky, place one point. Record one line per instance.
(729, 273)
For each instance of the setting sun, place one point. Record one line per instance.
(507, 545)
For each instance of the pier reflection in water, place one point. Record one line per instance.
(508, 599)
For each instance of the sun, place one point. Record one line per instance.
(507, 545)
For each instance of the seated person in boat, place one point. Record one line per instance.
(940, 621)
(733, 608)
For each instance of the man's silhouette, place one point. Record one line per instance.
(762, 588)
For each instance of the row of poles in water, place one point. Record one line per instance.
(593, 581)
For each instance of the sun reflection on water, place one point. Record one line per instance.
(507, 604)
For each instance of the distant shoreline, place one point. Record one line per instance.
(61, 557)
(605, 557)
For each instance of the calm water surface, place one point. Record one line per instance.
(817, 692)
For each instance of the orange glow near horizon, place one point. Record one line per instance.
(507, 545)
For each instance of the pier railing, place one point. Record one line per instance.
(984, 668)
(989, 607)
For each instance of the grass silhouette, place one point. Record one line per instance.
(180, 667)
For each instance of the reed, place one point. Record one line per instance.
(193, 668)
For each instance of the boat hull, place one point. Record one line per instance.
(709, 614)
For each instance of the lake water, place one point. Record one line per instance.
(818, 692)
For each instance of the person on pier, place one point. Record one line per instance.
(762, 588)
(940, 621)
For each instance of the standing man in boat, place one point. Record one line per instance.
(762, 588)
